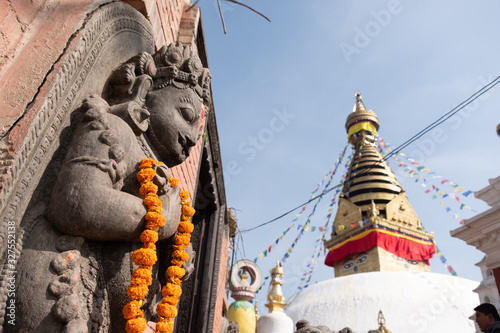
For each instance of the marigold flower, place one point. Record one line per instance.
(144, 257)
(147, 163)
(170, 300)
(138, 281)
(188, 210)
(144, 274)
(179, 247)
(137, 291)
(185, 226)
(184, 195)
(165, 326)
(174, 271)
(185, 218)
(137, 325)
(155, 209)
(152, 200)
(145, 175)
(174, 280)
(182, 238)
(148, 187)
(166, 310)
(132, 310)
(149, 236)
(177, 262)
(151, 246)
(181, 255)
(172, 290)
(154, 219)
(174, 182)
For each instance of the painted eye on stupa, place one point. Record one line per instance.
(362, 259)
(348, 265)
(413, 262)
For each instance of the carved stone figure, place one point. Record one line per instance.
(152, 106)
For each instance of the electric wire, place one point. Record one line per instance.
(396, 150)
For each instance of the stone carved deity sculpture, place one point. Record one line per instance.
(152, 106)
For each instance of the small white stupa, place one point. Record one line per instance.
(276, 321)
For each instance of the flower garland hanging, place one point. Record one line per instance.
(146, 257)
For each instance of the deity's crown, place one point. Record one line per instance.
(180, 66)
(176, 65)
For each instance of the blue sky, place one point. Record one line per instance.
(283, 90)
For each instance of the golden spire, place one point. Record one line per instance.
(358, 106)
(275, 296)
(381, 323)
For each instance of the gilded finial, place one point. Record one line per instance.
(381, 323)
(275, 296)
(358, 106)
(361, 121)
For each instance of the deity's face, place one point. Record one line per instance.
(174, 122)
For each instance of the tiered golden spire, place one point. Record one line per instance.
(370, 183)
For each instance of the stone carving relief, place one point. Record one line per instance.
(76, 265)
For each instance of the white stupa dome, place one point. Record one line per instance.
(411, 302)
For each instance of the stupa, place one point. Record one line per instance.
(380, 254)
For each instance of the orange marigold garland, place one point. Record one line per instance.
(146, 257)
(172, 290)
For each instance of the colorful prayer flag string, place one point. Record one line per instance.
(416, 170)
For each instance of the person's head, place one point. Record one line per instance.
(172, 88)
(486, 314)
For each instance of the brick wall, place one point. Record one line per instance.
(170, 21)
(33, 35)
